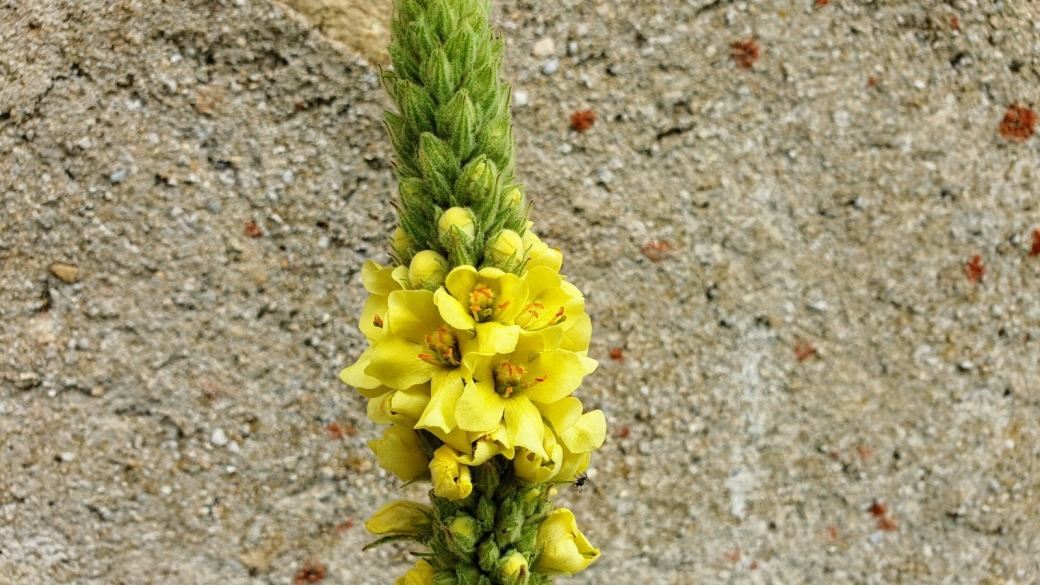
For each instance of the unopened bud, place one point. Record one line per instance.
(505, 251)
(512, 568)
(427, 270)
(464, 532)
(403, 243)
(457, 230)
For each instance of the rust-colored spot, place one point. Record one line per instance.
(657, 250)
(955, 23)
(582, 120)
(745, 53)
(253, 230)
(888, 524)
(624, 432)
(804, 350)
(878, 509)
(864, 451)
(312, 572)
(822, 2)
(1019, 123)
(335, 432)
(617, 354)
(832, 531)
(872, 82)
(733, 556)
(1035, 250)
(975, 269)
(753, 565)
(344, 526)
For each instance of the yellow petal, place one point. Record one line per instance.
(452, 311)
(396, 363)
(399, 453)
(479, 408)
(524, 425)
(422, 574)
(378, 280)
(586, 434)
(400, 517)
(355, 376)
(403, 407)
(412, 314)
(560, 373)
(446, 388)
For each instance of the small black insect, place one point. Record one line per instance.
(579, 481)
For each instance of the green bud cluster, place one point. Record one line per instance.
(489, 537)
(452, 134)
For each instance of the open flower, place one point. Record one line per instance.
(485, 302)
(505, 389)
(566, 549)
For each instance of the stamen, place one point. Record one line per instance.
(377, 321)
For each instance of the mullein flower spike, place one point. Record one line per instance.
(476, 342)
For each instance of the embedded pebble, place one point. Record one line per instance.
(520, 99)
(219, 438)
(118, 176)
(544, 48)
(551, 66)
(66, 272)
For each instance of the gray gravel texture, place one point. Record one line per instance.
(164, 418)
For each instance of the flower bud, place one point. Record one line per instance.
(427, 270)
(464, 533)
(399, 453)
(403, 245)
(459, 218)
(512, 568)
(401, 517)
(566, 549)
(505, 251)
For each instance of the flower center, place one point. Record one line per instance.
(442, 349)
(509, 379)
(482, 304)
(533, 317)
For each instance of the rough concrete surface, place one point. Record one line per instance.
(809, 387)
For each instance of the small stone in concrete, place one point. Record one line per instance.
(118, 177)
(544, 48)
(219, 438)
(66, 272)
(551, 66)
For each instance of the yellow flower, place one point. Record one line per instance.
(403, 407)
(485, 302)
(566, 551)
(422, 574)
(451, 478)
(419, 346)
(578, 434)
(380, 282)
(401, 517)
(505, 388)
(551, 302)
(399, 453)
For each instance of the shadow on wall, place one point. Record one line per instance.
(362, 25)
